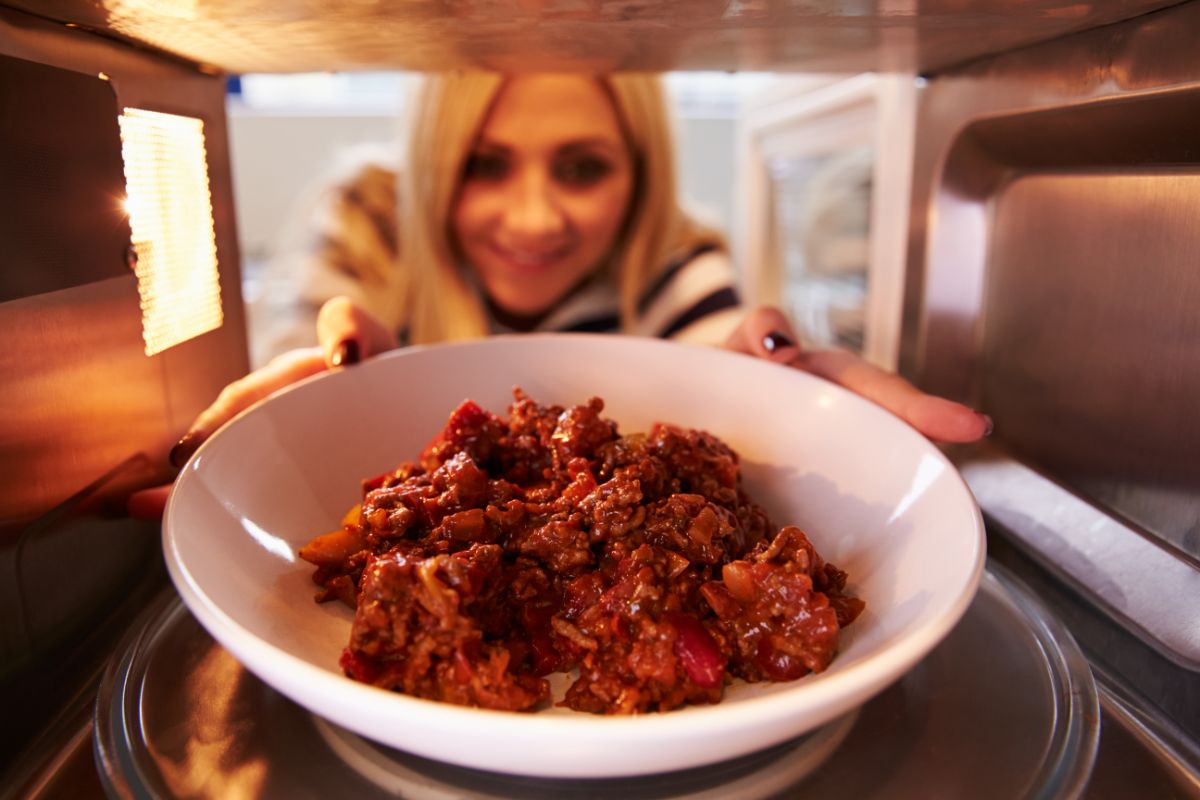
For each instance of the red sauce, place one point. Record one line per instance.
(547, 541)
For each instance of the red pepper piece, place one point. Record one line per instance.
(697, 651)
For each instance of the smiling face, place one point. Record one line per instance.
(544, 192)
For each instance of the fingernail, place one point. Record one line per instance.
(988, 425)
(776, 340)
(345, 354)
(189, 443)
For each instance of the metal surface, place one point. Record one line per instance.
(87, 416)
(177, 715)
(1137, 760)
(1061, 184)
(1060, 528)
(61, 219)
(815, 36)
(1091, 340)
(1052, 282)
(79, 394)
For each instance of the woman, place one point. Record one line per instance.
(562, 216)
(544, 203)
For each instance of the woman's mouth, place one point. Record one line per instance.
(526, 260)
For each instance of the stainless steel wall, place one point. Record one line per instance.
(85, 415)
(1054, 277)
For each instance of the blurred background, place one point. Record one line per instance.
(800, 225)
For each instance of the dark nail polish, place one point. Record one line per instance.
(775, 340)
(189, 443)
(346, 353)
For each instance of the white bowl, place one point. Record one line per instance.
(876, 498)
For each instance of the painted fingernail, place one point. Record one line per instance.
(345, 354)
(776, 340)
(988, 425)
(189, 443)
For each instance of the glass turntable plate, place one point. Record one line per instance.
(1004, 707)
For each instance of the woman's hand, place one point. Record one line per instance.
(346, 335)
(766, 333)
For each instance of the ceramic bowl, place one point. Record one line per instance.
(876, 498)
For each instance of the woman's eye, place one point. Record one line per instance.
(486, 167)
(581, 170)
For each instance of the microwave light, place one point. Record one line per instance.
(171, 221)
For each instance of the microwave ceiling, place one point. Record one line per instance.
(283, 36)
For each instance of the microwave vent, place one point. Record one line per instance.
(171, 216)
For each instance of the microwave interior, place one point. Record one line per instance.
(1033, 247)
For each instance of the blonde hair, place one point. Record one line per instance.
(439, 302)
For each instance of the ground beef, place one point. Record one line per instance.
(514, 548)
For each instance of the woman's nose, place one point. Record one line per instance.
(533, 209)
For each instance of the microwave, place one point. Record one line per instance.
(1022, 184)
